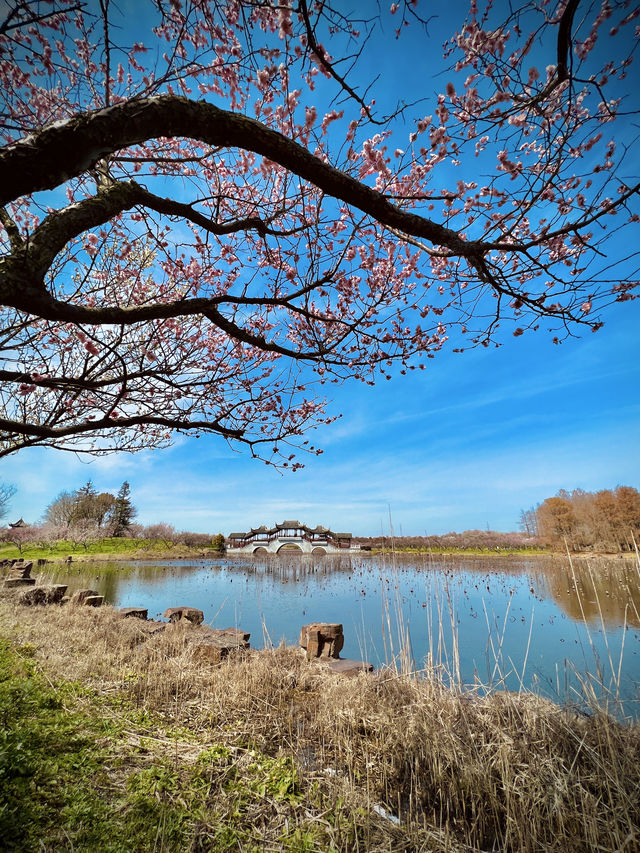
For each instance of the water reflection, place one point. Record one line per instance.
(594, 591)
(505, 622)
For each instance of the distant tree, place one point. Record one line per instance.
(103, 506)
(607, 520)
(556, 520)
(529, 522)
(164, 533)
(7, 491)
(84, 499)
(47, 535)
(134, 531)
(60, 511)
(18, 536)
(194, 540)
(123, 511)
(218, 542)
(628, 500)
(84, 532)
(83, 506)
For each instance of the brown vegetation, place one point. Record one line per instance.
(475, 540)
(608, 520)
(460, 772)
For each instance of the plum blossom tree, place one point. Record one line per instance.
(205, 224)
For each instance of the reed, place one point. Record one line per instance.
(272, 753)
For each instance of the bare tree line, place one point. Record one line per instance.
(85, 516)
(607, 520)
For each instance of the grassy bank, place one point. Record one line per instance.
(107, 549)
(461, 552)
(115, 740)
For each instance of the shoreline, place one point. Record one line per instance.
(147, 556)
(266, 750)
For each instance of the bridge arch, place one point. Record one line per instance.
(319, 551)
(260, 550)
(289, 547)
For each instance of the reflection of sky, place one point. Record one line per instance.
(512, 620)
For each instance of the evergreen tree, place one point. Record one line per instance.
(83, 499)
(123, 511)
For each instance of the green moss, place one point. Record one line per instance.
(46, 755)
(73, 778)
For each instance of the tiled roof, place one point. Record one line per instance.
(288, 525)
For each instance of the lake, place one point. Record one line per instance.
(561, 628)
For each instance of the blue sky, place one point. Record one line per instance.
(467, 443)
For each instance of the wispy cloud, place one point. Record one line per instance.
(468, 442)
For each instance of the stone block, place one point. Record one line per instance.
(212, 649)
(235, 634)
(80, 595)
(191, 614)
(134, 612)
(322, 639)
(349, 668)
(50, 594)
(12, 583)
(20, 569)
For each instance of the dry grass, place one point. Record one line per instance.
(505, 772)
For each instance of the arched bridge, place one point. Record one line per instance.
(290, 537)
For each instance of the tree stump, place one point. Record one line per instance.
(21, 569)
(216, 644)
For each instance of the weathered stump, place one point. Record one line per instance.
(94, 601)
(235, 634)
(322, 639)
(21, 569)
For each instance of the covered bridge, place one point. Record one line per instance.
(290, 536)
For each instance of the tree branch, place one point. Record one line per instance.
(48, 158)
(42, 431)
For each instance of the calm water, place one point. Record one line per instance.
(504, 622)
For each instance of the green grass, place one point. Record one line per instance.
(77, 773)
(46, 756)
(107, 547)
(114, 737)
